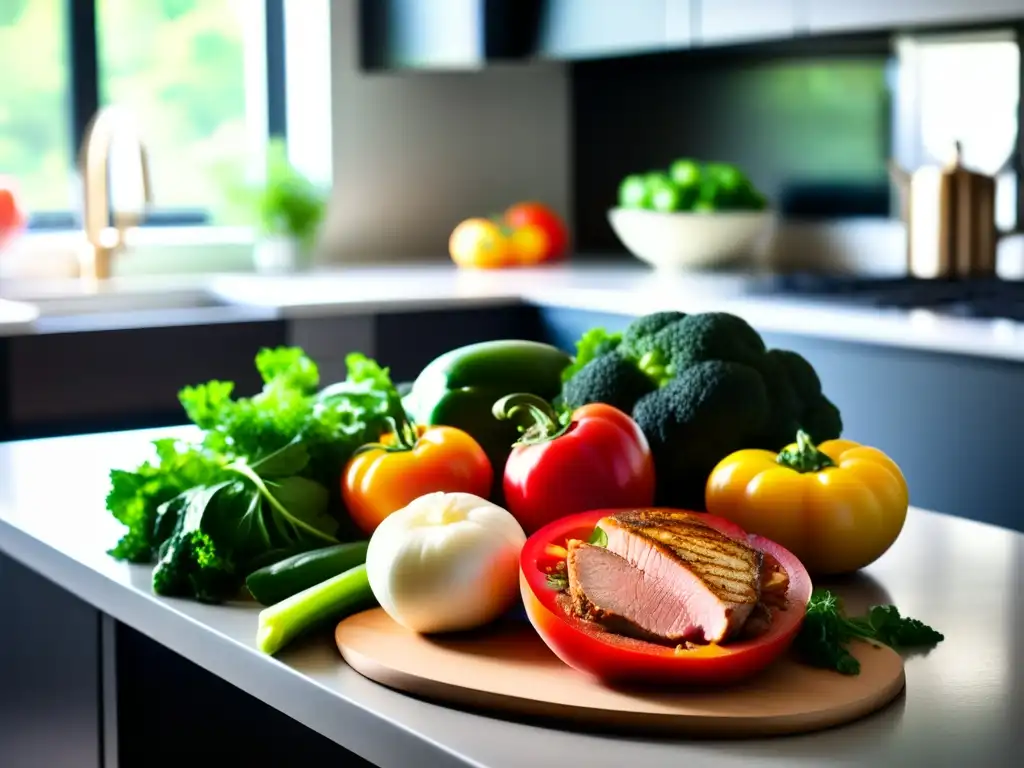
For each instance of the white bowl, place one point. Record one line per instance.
(689, 239)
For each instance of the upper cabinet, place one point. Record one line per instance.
(469, 34)
(844, 16)
(454, 34)
(720, 22)
(583, 29)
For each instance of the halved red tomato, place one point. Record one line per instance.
(613, 658)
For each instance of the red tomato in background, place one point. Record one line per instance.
(12, 219)
(541, 216)
(609, 657)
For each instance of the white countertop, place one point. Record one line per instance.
(16, 317)
(964, 702)
(622, 289)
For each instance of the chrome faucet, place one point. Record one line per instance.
(105, 227)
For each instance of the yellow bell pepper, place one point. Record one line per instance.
(837, 506)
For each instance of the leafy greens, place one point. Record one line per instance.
(261, 484)
(592, 344)
(827, 632)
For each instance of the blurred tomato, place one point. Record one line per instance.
(479, 243)
(12, 219)
(529, 245)
(538, 215)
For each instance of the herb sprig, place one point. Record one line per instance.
(827, 632)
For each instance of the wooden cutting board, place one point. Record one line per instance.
(507, 669)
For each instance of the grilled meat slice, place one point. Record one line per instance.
(687, 582)
(606, 589)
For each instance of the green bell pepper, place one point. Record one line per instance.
(460, 387)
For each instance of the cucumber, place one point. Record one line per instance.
(274, 583)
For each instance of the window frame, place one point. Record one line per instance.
(84, 101)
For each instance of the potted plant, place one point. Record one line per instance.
(289, 209)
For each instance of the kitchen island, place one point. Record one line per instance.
(964, 702)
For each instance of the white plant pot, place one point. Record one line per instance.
(277, 255)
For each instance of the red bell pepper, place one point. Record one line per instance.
(599, 460)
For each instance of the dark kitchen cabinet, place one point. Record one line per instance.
(454, 34)
(734, 21)
(50, 679)
(68, 383)
(582, 29)
(841, 16)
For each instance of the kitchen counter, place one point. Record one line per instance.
(16, 317)
(964, 702)
(624, 290)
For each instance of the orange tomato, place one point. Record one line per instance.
(479, 243)
(538, 215)
(529, 245)
(384, 478)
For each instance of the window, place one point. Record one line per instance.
(204, 80)
(34, 110)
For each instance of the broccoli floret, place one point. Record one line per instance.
(815, 413)
(190, 566)
(710, 410)
(711, 336)
(786, 405)
(639, 337)
(821, 420)
(609, 379)
(801, 373)
(667, 343)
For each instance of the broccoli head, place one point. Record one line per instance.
(666, 343)
(702, 415)
(700, 386)
(610, 379)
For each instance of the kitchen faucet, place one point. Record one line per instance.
(105, 227)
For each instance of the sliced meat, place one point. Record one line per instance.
(703, 584)
(606, 589)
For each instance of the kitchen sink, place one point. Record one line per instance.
(70, 308)
(117, 303)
